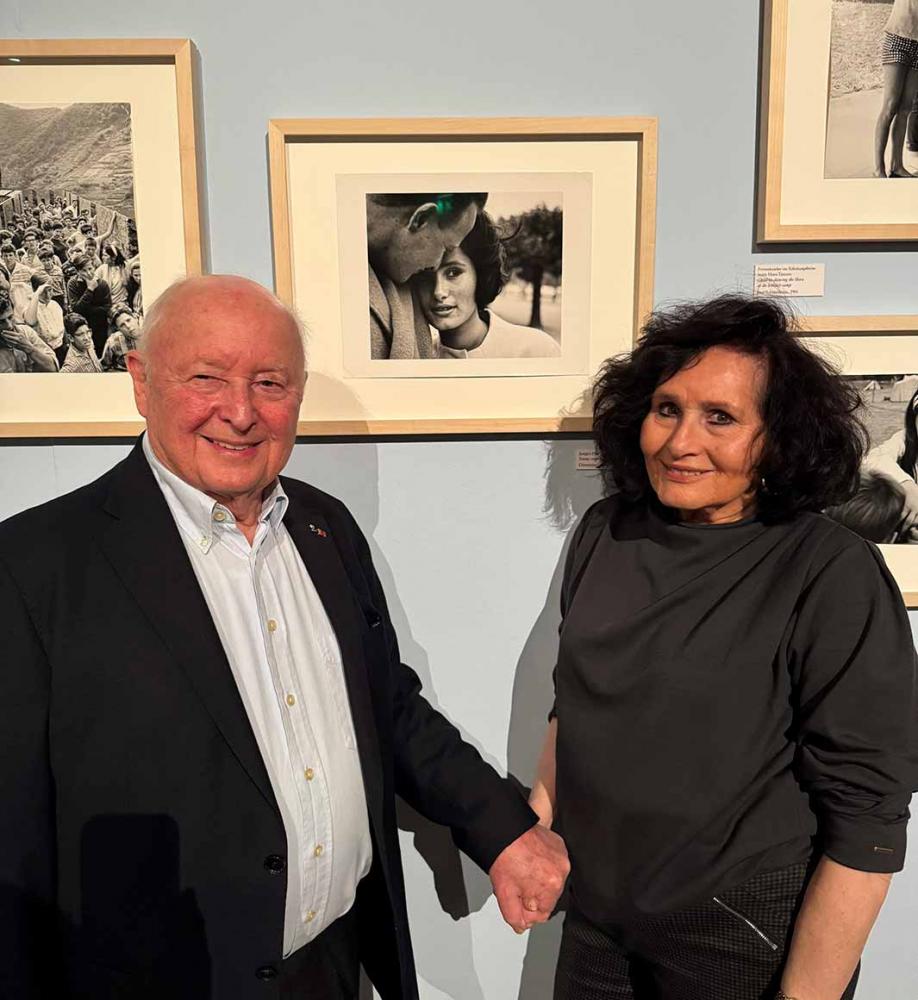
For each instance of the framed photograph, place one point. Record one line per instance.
(99, 212)
(461, 275)
(884, 369)
(839, 138)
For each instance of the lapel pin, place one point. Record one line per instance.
(321, 532)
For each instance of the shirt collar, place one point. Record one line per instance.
(199, 516)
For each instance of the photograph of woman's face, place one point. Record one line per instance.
(447, 294)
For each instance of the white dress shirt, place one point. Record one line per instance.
(287, 665)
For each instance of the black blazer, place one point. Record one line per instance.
(139, 833)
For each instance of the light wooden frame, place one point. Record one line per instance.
(282, 132)
(840, 326)
(865, 346)
(773, 96)
(180, 53)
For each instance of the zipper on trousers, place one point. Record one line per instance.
(747, 922)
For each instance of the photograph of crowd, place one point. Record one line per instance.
(465, 275)
(71, 296)
(872, 124)
(885, 508)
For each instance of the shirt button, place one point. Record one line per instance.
(309, 773)
(310, 916)
(219, 515)
(266, 972)
(272, 625)
(291, 700)
(318, 851)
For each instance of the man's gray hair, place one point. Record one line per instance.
(157, 314)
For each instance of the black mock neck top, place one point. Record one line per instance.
(728, 698)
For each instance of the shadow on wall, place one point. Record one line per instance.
(459, 887)
(568, 494)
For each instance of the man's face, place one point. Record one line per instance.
(416, 249)
(82, 339)
(30, 245)
(126, 323)
(9, 259)
(221, 389)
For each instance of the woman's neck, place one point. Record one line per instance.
(467, 336)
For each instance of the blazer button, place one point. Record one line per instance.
(373, 618)
(275, 864)
(266, 972)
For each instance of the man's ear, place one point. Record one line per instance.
(137, 368)
(422, 215)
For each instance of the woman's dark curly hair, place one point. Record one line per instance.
(814, 438)
(484, 246)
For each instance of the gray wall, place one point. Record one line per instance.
(467, 534)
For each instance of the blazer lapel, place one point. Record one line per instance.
(321, 557)
(145, 548)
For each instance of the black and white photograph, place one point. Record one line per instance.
(71, 293)
(885, 508)
(872, 123)
(467, 275)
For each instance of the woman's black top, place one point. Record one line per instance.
(728, 697)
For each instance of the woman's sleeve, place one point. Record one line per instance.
(853, 663)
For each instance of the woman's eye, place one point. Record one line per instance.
(666, 409)
(452, 273)
(720, 417)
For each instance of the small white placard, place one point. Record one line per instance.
(587, 459)
(790, 280)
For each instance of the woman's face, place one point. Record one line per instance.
(447, 295)
(82, 339)
(135, 273)
(703, 436)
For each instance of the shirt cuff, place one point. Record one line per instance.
(865, 844)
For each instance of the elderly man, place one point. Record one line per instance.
(205, 718)
(407, 233)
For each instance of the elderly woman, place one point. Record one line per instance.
(732, 748)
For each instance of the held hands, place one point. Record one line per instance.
(528, 876)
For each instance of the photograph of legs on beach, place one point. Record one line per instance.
(872, 125)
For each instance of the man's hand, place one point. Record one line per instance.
(528, 876)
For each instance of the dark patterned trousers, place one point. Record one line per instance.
(729, 947)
